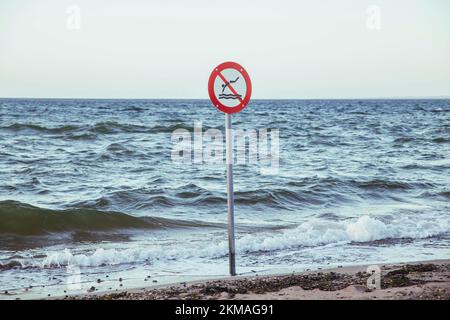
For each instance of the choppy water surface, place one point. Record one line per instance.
(91, 184)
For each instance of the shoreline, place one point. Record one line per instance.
(422, 280)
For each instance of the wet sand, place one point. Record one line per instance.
(422, 280)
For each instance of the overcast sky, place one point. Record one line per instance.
(167, 49)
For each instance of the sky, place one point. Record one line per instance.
(292, 49)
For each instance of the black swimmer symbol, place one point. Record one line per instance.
(229, 96)
(228, 83)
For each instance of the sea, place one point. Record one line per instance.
(91, 199)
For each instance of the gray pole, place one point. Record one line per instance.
(230, 195)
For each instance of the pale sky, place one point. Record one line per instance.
(166, 49)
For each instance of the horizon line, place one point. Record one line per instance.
(442, 97)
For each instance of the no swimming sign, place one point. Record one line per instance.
(229, 87)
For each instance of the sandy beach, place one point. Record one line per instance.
(428, 280)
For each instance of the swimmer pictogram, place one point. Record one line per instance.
(229, 95)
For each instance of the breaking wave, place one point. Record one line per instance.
(26, 220)
(314, 233)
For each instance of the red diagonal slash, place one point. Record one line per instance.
(229, 85)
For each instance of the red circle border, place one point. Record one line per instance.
(212, 96)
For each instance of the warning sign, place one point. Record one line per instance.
(229, 87)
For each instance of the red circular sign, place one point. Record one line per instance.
(227, 83)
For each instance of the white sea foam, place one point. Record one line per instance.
(308, 234)
(363, 229)
(367, 229)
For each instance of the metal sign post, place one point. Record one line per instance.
(230, 194)
(230, 82)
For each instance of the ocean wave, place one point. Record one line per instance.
(109, 127)
(441, 140)
(105, 212)
(391, 185)
(103, 127)
(40, 128)
(304, 193)
(336, 183)
(149, 198)
(26, 220)
(173, 127)
(193, 195)
(445, 194)
(365, 229)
